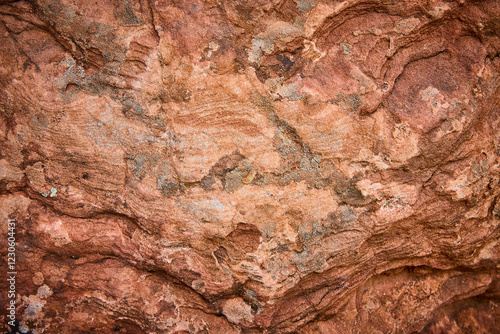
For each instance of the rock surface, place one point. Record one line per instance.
(230, 166)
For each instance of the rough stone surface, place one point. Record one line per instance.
(230, 166)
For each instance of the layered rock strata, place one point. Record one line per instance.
(281, 166)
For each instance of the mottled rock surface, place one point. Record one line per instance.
(280, 166)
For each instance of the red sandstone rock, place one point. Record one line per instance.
(251, 166)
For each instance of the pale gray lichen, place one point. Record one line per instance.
(346, 48)
(44, 291)
(52, 193)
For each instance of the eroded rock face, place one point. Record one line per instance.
(252, 166)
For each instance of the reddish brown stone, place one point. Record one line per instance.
(251, 166)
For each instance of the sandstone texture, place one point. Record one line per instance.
(230, 166)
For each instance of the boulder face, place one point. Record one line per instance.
(230, 166)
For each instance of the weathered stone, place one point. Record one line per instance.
(277, 166)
